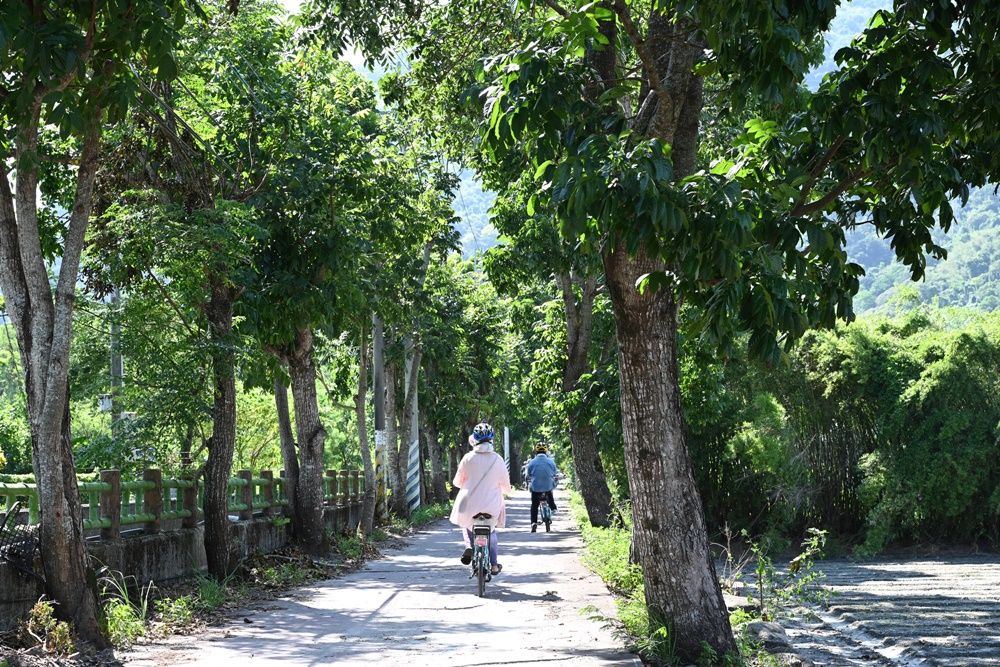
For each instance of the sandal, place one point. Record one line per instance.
(467, 556)
(499, 568)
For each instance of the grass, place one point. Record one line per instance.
(606, 553)
(126, 607)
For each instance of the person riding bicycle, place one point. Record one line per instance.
(542, 473)
(483, 479)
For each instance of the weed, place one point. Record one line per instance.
(733, 566)
(427, 513)
(212, 593)
(177, 612)
(607, 552)
(349, 546)
(777, 593)
(42, 628)
(282, 576)
(122, 625)
(124, 615)
(378, 535)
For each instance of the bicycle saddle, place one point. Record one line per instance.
(483, 515)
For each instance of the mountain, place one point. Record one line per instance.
(472, 206)
(970, 276)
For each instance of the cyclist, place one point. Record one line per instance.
(542, 473)
(483, 479)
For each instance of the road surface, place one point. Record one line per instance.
(418, 607)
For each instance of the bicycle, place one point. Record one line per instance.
(545, 514)
(481, 569)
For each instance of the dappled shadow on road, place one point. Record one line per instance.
(418, 607)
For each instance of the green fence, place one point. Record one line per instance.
(111, 503)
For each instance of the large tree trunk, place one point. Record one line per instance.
(669, 533)
(44, 330)
(310, 529)
(289, 455)
(360, 404)
(438, 485)
(221, 557)
(592, 483)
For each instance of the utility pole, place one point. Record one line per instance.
(506, 449)
(413, 459)
(381, 458)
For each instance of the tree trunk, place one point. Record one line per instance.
(669, 535)
(310, 529)
(289, 455)
(392, 438)
(591, 481)
(438, 485)
(221, 556)
(409, 431)
(44, 331)
(360, 403)
(452, 469)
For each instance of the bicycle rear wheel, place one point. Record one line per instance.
(481, 576)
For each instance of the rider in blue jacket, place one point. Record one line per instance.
(542, 472)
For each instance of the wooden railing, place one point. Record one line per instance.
(111, 503)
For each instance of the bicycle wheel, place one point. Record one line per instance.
(548, 525)
(481, 576)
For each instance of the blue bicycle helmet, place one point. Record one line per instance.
(482, 432)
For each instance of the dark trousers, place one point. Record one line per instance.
(536, 498)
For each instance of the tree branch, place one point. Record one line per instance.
(818, 169)
(804, 209)
(557, 7)
(172, 303)
(621, 9)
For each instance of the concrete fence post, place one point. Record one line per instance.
(355, 486)
(268, 477)
(111, 504)
(345, 497)
(191, 504)
(333, 486)
(152, 499)
(286, 510)
(246, 494)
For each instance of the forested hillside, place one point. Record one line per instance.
(968, 277)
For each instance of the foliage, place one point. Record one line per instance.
(41, 628)
(777, 594)
(607, 551)
(350, 546)
(213, 593)
(428, 513)
(126, 608)
(175, 613)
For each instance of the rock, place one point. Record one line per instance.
(792, 660)
(734, 602)
(772, 635)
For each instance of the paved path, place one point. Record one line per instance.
(931, 612)
(418, 607)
